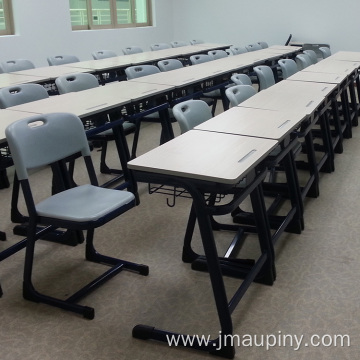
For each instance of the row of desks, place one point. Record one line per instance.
(243, 162)
(228, 154)
(119, 63)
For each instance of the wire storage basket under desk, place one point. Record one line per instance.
(174, 192)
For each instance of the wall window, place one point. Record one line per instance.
(107, 14)
(6, 23)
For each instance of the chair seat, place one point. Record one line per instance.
(83, 203)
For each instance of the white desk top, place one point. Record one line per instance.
(303, 103)
(50, 72)
(329, 65)
(313, 89)
(211, 46)
(285, 47)
(268, 124)
(10, 79)
(204, 155)
(320, 77)
(346, 56)
(103, 64)
(82, 103)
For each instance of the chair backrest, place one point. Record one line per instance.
(303, 61)
(265, 76)
(169, 64)
(312, 55)
(196, 41)
(16, 65)
(133, 72)
(132, 50)
(239, 93)
(241, 79)
(44, 139)
(76, 82)
(263, 44)
(21, 94)
(199, 58)
(238, 50)
(191, 113)
(62, 59)
(288, 67)
(217, 54)
(159, 46)
(253, 47)
(175, 44)
(103, 54)
(325, 51)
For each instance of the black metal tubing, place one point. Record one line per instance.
(263, 267)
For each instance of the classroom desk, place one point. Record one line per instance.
(345, 87)
(11, 79)
(279, 126)
(346, 56)
(351, 68)
(188, 161)
(312, 100)
(48, 73)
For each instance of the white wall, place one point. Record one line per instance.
(43, 29)
(43, 26)
(245, 21)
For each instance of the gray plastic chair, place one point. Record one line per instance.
(253, 47)
(217, 54)
(44, 140)
(76, 82)
(196, 41)
(176, 44)
(103, 54)
(133, 72)
(288, 67)
(132, 50)
(62, 59)
(325, 51)
(312, 55)
(263, 44)
(239, 93)
(159, 46)
(83, 81)
(199, 58)
(12, 96)
(20, 94)
(238, 50)
(191, 113)
(265, 76)
(241, 79)
(169, 64)
(214, 95)
(16, 65)
(303, 61)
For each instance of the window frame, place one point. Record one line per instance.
(114, 25)
(8, 16)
